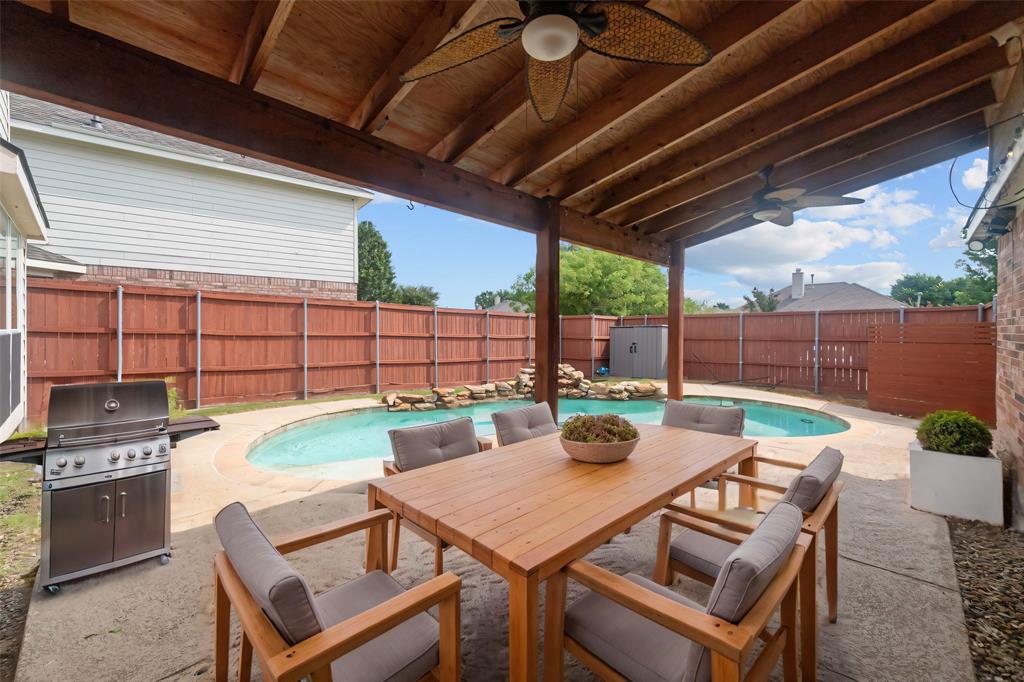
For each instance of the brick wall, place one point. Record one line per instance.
(209, 281)
(1009, 436)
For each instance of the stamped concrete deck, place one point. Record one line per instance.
(900, 612)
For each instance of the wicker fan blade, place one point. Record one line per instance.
(785, 217)
(785, 194)
(638, 34)
(547, 83)
(465, 47)
(809, 200)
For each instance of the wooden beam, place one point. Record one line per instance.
(824, 45)
(969, 70)
(545, 384)
(443, 22)
(676, 303)
(948, 39)
(504, 104)
(739, 23)
(73, 66)
(265, 26)
(61, 9)
(953, 109)
(879, 166)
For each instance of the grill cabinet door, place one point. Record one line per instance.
(139, 514)
(81, 528)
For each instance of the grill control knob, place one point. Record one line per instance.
(79, 461)
(162, 448)
(61, 462)
(146, 451)
(130, 453)
(115, 455)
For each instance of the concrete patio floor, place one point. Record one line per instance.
(900, 614)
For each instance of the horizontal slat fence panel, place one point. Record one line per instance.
(262, 347)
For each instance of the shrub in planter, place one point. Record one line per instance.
(955, 432)
(600, 439)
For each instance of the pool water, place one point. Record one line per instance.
(364, 433)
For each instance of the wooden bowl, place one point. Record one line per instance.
(599, 453)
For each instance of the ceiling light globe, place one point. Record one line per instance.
(767, 214)
(976, 245)
(550, 37)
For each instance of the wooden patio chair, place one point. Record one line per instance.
(725, 421)
(629, 628)
(370, 628)
(419, 446)
(523, 423)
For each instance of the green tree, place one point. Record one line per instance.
(486, 299)
(760, 302)
(722, 306)
(376, 274)
(933, 290)
(415, 295)
(978, 285)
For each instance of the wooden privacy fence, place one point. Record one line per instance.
(918, 368)
(220, 347)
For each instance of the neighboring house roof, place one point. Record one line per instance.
(506, 307)
(41, 259)
(19, 197)
(33, 111)
(836, 296)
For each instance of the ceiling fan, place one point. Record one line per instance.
(773, 205)
(550, 32)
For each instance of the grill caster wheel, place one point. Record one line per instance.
(53, 589)
(165, 559)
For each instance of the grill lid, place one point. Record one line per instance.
(83, 414)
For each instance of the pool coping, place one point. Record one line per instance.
(231, 458)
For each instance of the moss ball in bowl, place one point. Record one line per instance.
(599, 439)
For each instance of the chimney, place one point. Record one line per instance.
(812, 281)
(797, 290)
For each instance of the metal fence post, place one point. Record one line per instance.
(376, 353)
(487, 347)
(981, 312)
(902, 314)
(199, 349)
(120, 332)
(817, 350)
(305, 349)
(645, 319)
(741, 348)
(437, 381)
(995, 307)
(593, 349)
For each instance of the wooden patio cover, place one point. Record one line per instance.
(641, 160)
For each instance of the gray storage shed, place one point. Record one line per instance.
(640, 351)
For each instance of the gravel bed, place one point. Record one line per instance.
(990, 570)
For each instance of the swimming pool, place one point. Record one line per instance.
(362, 434)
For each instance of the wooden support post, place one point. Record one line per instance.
(676, 301)
(545, 384)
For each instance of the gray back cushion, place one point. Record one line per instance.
(727, 421)
(278, 588)
(746, 574)
(810, 486)
(524, 423)
(420, 446)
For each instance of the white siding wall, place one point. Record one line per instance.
(118, 208)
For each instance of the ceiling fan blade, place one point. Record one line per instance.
(638, 34)
(547, 83)
(785, 217)
(732, 217)
(469, 45)
(787, 194)
(809, 200)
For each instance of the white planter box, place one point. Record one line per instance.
(955, 485)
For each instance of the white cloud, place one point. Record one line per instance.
(881, 210)
(975, 176)
(701, 294)
(878, 275)
(950, 235)
(379, 198)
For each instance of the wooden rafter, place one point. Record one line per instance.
(444, 22)
(866, 174)
(738, 24)
(265, 26)
(671, 132)
(504, 104)
(61, 9)
(907, 97)
(913, 56)
(958, 107)
(116, 80)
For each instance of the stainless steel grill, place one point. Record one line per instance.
(106, 479)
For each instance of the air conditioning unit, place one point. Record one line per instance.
(640, 351)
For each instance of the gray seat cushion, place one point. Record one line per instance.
(524, 423)
(420, 446)
(636, 647)
(278, 588)
(727, 421)
(405, 653)
(700, 552)
(810, 486)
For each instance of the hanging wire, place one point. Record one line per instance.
(957, 158)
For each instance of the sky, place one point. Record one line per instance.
(910, 224)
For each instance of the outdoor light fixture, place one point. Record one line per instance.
(551, 37)
(768, 214)
(976, 245)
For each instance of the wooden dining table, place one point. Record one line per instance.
(527, 510)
